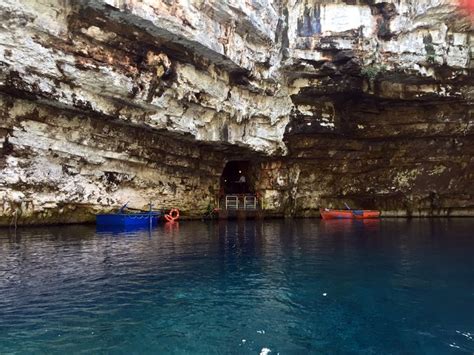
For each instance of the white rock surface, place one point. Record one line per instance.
(219, 73)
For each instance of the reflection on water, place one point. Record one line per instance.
(302, 286)
(363, 226)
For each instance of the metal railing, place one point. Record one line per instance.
(250, 203)
(236, 202)
(231, 202)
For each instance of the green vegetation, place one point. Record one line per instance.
(430, 53)
(430, 58)
(430, 49)
(210, 212)
(372, 71)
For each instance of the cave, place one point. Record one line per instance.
(231, 179)
(100, 105)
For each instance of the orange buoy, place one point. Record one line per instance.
(173, 215)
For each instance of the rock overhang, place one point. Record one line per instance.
(248, 80)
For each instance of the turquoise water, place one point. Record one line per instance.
(306, 286)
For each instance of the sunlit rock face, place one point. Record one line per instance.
(70, 169)
(163, 64)
(103, 102)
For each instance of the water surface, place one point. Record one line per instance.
(290, 287)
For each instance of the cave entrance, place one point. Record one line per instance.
(237, 178)
(237, 197)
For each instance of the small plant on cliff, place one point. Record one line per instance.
(211, 212)
(431, 58)
(430, 53)
(430, 49)
(372, 71)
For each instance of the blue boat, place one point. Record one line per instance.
(128, 219)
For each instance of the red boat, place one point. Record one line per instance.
(327, 213)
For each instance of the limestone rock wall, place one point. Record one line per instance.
(383, 107)
(419, 164)
(144, 63)
(63, 166)
(368, 102)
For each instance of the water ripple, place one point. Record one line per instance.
(391, 286)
